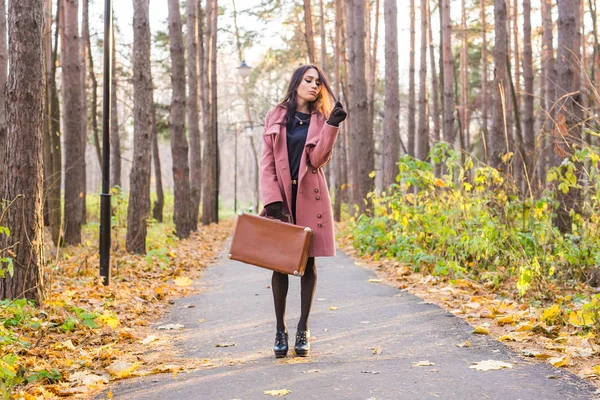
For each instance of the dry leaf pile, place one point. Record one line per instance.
(556, 330)
(86, 334)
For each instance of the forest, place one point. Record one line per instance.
(469, 160)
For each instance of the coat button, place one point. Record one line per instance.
(316, 190)
(318, 197)
(314, 171)
(319, 215)
(320, 225)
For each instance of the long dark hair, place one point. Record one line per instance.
(324, 101)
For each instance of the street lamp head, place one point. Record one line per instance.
(244, 69)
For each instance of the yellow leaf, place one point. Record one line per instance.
(333, 308)
(109, 395)
(481, 330)
(596, 369)
(581, 318)
(373, 280)
(280, 392)
(526, 326)
(109, 319)
(509, 319)
(466, 343)
(560, 361)
(490, 364)
(551, 313)
(440, 183)
(122, 369)
(183, 281)
(372, 174)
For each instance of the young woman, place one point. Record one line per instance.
(298, 140)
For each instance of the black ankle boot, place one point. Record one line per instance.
(281, 344)
(302, 343)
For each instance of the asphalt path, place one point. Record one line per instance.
(369, 341)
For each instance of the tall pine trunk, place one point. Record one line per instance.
(24, 162)
(435, 88)
(411, 85)
(75, 157)
(528, 117)
(567, 89)
(422, 142)
(391, 120)
(83, 50)
(549, 84)
(309, 32)
(484, 76)
(115, 138)
(3, 71)
(138, 209)
(498, 141)
(179, 144)
(448, 74)
(193, 113)
(210, 191)
(157, 210)
(464, 81)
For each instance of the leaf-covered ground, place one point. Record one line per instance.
(86, 334)
(557, 329)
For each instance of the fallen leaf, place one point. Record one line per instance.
(370, 372)
(560, 361)
(122, 369)
(374, 280)
(333, 308)
(280, 392)
(466, 343)
(227, 344)
(376, 350)
(183, 281)
(188, 305)
(482, 330)
(109, 319)
(170, 327)
(489, 365)
(149, 339)
(425, 363)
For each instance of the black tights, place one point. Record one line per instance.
(308, 283)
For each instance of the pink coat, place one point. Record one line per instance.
(313, 205)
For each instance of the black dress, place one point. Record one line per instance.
(296, 132)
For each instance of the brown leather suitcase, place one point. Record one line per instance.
(270, 244)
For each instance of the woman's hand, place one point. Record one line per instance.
(275, 209)
(338, 114)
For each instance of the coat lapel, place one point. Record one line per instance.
(311, 139)
(281, 157)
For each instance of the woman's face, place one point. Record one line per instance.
(310, 85)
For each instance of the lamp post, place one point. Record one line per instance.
(244, 71)
(105, 195)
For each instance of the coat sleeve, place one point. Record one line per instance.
(320, 148)
(269, 187)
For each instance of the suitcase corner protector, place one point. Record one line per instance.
(307, 229)
(230, 256)
(295, 273)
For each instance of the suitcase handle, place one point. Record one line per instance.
(289, 218)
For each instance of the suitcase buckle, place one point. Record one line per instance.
(229, 256)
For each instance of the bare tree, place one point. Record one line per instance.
(528, 118)
(210, 191)
(340, 172)
(391, 121)
(411, 85)
(448, 75)
(308, 33)
(157, 210)
(24, 162)
(567, 90)
(435, 89)
(115, 138)
(179, 144)
(484, 75)
(74, 156)
(3, 71)
(422, 142)
(498, 141)
(361, 145)
(193, 113)
(464, 80)
(138, 209)
(83, 47)
(549, 83)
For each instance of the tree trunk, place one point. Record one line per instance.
(323, 44)
(193, 113)
(179, 144)
(361, 145)
(411, 84)
(3, 71)
(391, 119)
(517, 50)
(87, 46)
(567, 89)
(157, 210)
(549, 84)
(435, 89)
(309, 34)
(24, 162)
(464, 81)
(448, 73)
(484, 79)
(339, 159)
(210, 191)
(498, 141)
(83, 47)
(422, 142)
(47, 147)
(75, 158)
(55, 162)
(373, 68)
(138, 209)
(528, 118)
(115, 138)
(204, 105)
